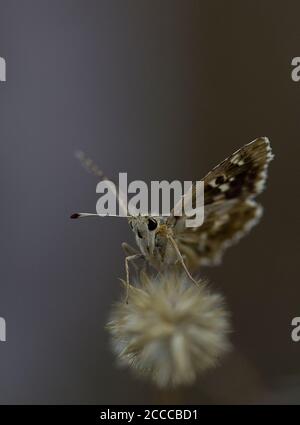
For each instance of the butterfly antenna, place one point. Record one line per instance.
(82, 215)
(89, 165)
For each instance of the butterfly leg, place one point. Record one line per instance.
(182, 261)
(128, 249)
(127, 259)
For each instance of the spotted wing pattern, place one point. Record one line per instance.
(230, 208)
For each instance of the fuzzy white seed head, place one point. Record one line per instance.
(170, 330)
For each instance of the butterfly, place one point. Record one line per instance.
(230, 211)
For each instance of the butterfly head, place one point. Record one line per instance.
(145, 229)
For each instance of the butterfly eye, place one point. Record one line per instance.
(152, 224)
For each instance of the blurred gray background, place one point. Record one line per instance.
(161, 90)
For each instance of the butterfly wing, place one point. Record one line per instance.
(230, 209)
